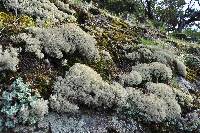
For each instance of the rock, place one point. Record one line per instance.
(186, 85)
(87, 123)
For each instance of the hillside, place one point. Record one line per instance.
(71, 67)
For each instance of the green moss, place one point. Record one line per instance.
(13, 24)
(145, 41)
(41, 81)
(48, 23)
(192, 75)
(105, 68)
(119, 23)
(104, 43)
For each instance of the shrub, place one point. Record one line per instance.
(20, 105)
(66, 38)
(82, 85)
(8, 59)
(155, 72)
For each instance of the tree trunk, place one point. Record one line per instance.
(149, 10)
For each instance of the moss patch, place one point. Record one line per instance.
(13, 24)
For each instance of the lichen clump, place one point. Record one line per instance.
(82, 85)
(8, 59)
(65, 38)
(157, 106)
(154, 72)
(40, 9)
(131, 79)
(148, 54)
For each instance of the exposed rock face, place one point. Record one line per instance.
(94, 123)
(84, 123)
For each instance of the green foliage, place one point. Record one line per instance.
(154, 24)
(164, 14)
(194, 34)
(146, 41)
(122, 6)
(102, 68)
(171, 13)
(21, 106)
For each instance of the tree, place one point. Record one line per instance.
(177, 14)
(149, 8)
(190, 16)
(122, 6)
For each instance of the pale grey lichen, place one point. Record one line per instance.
(60, 104)
(54, 41)
(8, 59)
(181, 68)
(141, 54)
(41, 9)
(133, 78)
(106, 55)
(154, 71)
(166, 93)
(184, 98)
(156, 106)
(146, 107)
(63, 6)
(82, 85)
(148, 54)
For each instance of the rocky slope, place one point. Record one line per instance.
(68, 66)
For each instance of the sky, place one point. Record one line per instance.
(196, 6)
